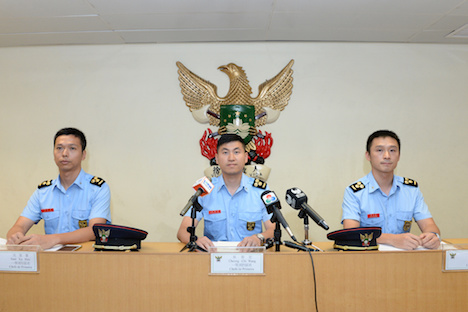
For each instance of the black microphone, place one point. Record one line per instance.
(272, 204)
(297, 199)
(203, 186)
(297, 246)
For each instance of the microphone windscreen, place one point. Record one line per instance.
(204, 184)
(269, 197)
(295, 197)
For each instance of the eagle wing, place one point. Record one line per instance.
(197, 91)
(275, 93)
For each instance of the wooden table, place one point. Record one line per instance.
(160, 278)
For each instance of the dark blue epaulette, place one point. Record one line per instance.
(356, 187)
(411, 182)
(97, 181)
(259, 183)
(44, 184)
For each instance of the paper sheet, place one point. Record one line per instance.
(226, 244)
(385, 247)
(225, 247)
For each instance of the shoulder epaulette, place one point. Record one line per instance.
(408, 181)
(44, 184)
(259, 183)
(356, 187)
(97, 181)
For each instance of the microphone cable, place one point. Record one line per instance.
(309, 250)
(315, 281)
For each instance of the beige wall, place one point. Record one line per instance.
(144, 142)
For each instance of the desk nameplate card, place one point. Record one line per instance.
(19, 259)
(237, 260)
(455, 258)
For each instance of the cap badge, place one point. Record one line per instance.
(366, 239)
(104, 235)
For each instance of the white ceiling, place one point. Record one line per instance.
(58, 22)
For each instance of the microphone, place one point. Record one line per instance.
(297, 199)
(202, 186)
(273, 205)
(297, 246)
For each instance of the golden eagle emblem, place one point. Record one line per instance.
(204, 102)
(237, 112)
(104, 235)
(366, 239)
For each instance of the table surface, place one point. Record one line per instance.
(160, 278)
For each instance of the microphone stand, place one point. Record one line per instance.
(303, 215)
(192, 245)
(306, 242)
(277, 232)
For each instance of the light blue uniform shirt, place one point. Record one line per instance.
(62, 210)
(232, 217)
(372, 207)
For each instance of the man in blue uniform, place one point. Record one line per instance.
(388, 201)
(233, 211)
(70, 205)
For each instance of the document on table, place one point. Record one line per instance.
(385, 247)
(58, 247)
(226, 244)
(225, 247)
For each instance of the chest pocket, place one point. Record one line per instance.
(51, 221)
(372, 221)
(79, 217)
(250, 223)
(215, 226)
(404, 221)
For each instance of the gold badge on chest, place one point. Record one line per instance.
(407, 226)
(250, 226)
(83, 223)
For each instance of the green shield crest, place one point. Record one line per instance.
(238, 119)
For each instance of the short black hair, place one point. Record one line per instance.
(72, 131)
(229, 137)
(382, 134)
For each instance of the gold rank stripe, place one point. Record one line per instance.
(408, 181)
(97, 181)
(44, 184)
(355, 248)
(259, 183)
(357, 186)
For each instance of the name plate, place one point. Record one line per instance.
(456, 260)
(236, 263)
(18, 259)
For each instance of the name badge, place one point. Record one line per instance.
(214, 211)
(373, 215)
(237, 263)
(47, 210)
